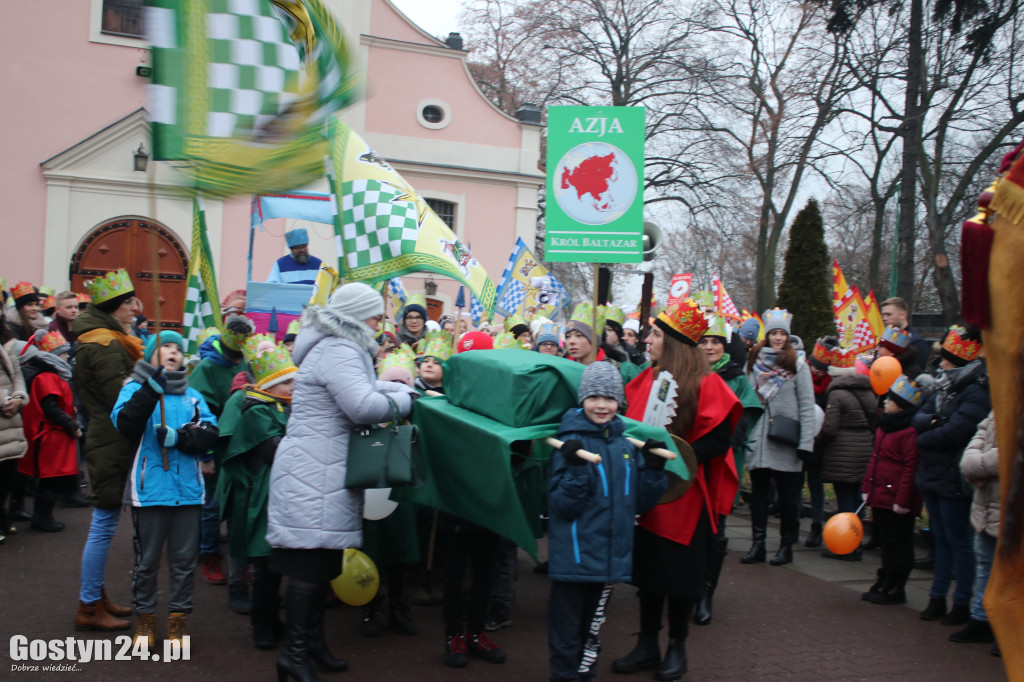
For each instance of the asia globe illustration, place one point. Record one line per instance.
(595, 183)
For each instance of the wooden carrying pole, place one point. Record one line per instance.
(154, 247)
(593, 318)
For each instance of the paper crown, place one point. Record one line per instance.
(47, 291)
(584, 313)
(843, 358)
(963, 348)
(612, 312)
(896, 340)
(3, 284)
(704, 298)
(111, 285)
(415, 298)
(684, 321)
(403, 357)
(270, 366)
(49, 302)
(546, 331)
(205, 334)
(717, 326)
(234, 335)
(822, 353)
(52, 342)
(83, 298)
(388, 327)
(514, 321)
(777, 318)
(436, 344)
(22, 289)
(505, 340)
(294, 326)
(908, 390)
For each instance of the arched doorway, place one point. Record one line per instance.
(129, 243)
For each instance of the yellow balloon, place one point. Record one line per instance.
(359, 580)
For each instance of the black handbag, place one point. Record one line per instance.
(384, 456)
(784, 430)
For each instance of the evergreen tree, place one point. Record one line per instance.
(806, 289)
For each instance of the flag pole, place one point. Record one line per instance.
(593, 317)
(155, 273)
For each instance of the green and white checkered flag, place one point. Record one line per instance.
(379, 222)
(201, 307)
(242, 90)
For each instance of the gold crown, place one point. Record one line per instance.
(908, 390)
(895, 338)
(49, 302)
(843, 358)
(822, 353)
(955, 344)
(685, 321)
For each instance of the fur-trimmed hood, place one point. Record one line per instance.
(319, 322)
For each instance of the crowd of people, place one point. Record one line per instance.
(253, 436)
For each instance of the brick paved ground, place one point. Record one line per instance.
(802, 622)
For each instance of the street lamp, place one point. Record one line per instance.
(430, 287)
(141, 158)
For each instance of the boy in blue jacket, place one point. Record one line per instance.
(593, 508)
(165, 486)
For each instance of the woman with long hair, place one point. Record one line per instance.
(670, 544)
(783, 439)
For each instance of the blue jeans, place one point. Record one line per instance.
(950, 519)
(94, 556)
(984, 552)
(209, 523)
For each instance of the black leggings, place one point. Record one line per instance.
(652, 604)
(47, 492)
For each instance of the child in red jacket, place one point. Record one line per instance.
(890, 491)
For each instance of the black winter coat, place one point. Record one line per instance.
(945, 425)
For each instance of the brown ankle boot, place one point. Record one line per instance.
(95, 616)
(177, 626)
(146, 629)
(112, 608)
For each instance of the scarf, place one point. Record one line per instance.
(768, 376)
(278, 401)
(722, 362)
(132, 345)
(177, 380)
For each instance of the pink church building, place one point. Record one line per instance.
(75, 130)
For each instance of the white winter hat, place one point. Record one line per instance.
(358, 301)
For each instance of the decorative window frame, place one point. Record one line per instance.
(96, 34)
(440, 104)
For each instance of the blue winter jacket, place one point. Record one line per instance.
(137, 416)
(593, 507)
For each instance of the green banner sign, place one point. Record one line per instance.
(595, 203)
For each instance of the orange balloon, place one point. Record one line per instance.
(884, 373)
(843, 533)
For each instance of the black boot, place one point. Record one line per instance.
(646, 655)
(719, 549)
(43, 519)
(936, 609)
(318, 651)
(398, 606)
(891, 593)
(759, 527)
(301, 604)
(789, 531)
(674, 665)
(814, 539)
(238, 598)
(266, 626)
(370, 625)
(976, 631)
(879, 585)
(958, 615)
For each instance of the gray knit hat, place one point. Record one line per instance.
(358, 301)
(750, 329)
(602, 378)
(582, 328)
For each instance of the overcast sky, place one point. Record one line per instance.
(437, 17)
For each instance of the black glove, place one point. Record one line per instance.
(166, 438)
(158, 381)
(197, 438)
(652, 461)
(569, 449)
